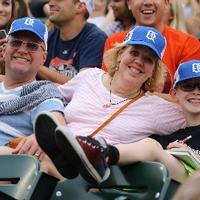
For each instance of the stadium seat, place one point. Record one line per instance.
(21, 179)
(143, 180)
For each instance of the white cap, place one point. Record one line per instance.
(89, 5)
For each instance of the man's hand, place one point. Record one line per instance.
(28, 145)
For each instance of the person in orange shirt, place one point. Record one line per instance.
(181, 47)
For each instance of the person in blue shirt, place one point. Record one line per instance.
(74, 44)
(21, 96)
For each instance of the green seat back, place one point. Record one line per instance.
(143, 180)
(21, 179)
(20, 171)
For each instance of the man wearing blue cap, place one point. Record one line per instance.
(22, 97)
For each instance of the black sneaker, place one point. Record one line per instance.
(87, 153)
(45, 125)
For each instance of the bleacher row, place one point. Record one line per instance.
(21, 179)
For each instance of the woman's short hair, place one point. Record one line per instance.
(153, 84)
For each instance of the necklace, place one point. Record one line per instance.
(110, 103)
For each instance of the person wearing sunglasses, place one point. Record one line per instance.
(186, 92)
(21, 96)
(16, 43)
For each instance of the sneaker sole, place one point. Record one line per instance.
(45, 126)
(70, 147)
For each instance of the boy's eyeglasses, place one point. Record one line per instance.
(189, 86)
(30, 46)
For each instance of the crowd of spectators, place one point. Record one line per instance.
(79, 35)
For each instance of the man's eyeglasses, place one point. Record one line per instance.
(189, 86)
(30, 46)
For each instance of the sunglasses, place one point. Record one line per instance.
(30, 46)
(189, 86)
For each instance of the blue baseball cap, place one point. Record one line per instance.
(30, 24)
(147, 36)
(187, 70)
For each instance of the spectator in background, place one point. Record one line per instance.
(174, 16)
(9, 10)
(193, 19)
(99, 12)
(180, 47)
(22, 9)
(187, 10)
(123, 17)
(38, 8)
(7, 15)
(74, 44)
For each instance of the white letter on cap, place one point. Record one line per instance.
(196, 67)
(29, 22)
(151, 35)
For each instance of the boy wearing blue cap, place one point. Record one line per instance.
(186, 92)
(22, 97)
(117, 106)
